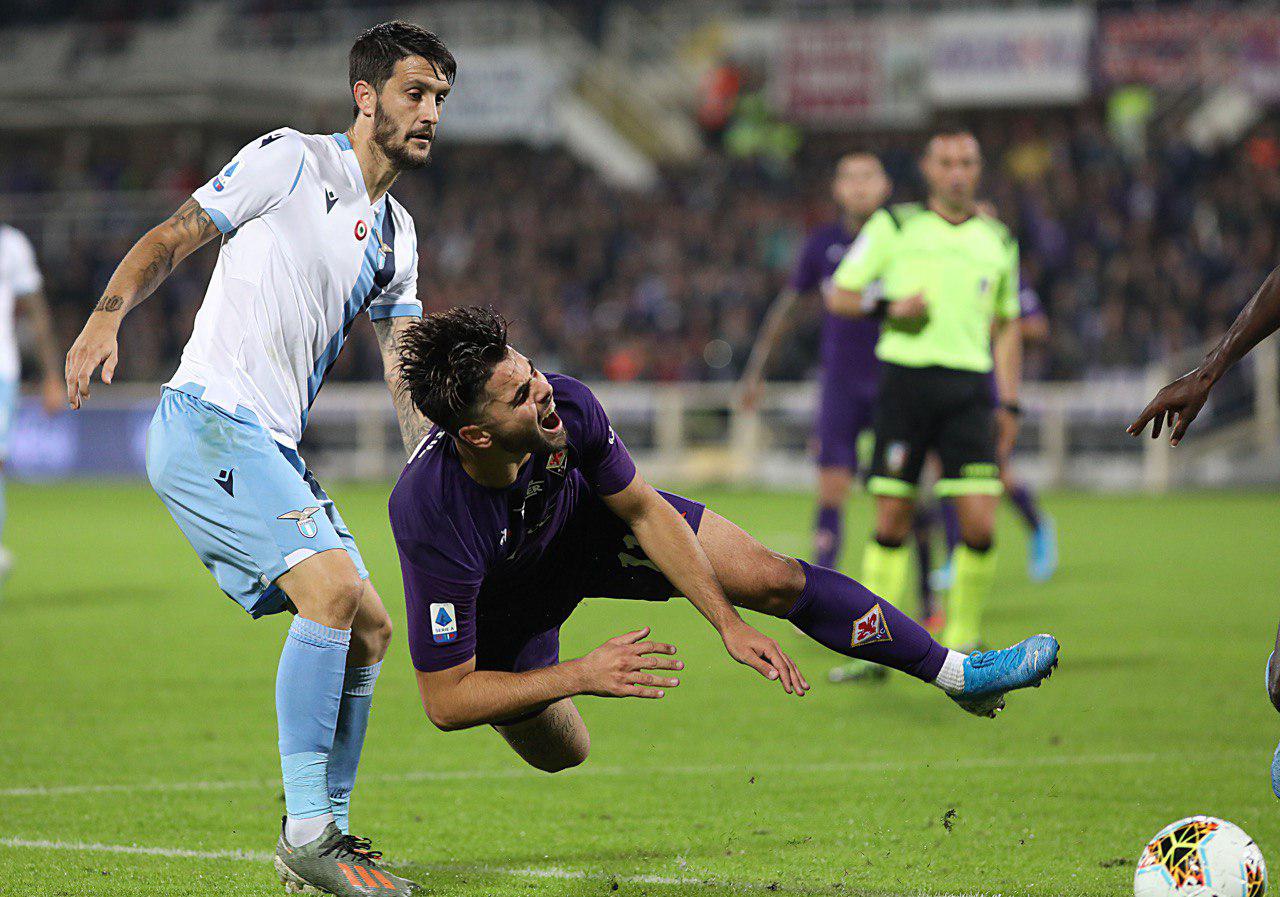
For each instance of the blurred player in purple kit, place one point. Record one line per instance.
(523, 500)
(849, 368)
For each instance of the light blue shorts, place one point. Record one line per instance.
(8, 411)
(248, 505)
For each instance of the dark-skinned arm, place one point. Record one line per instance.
(1182, 399)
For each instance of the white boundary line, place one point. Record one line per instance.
(764, 768)
(257, 856)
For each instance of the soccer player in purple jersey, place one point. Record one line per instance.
(523, 501)
(849, 368)
(1042, 543)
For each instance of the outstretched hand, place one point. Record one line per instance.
(619, 668)
(1182, 399)
(755, 649)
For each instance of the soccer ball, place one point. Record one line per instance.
(1201, 856)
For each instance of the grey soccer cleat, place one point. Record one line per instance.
(338, 864)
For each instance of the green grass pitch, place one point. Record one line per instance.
(137, 736)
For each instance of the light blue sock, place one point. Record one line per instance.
(348, 740)
(308, 692)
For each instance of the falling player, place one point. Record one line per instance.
(523, 501)
(310, 240)
(21, 290)
(1178, 404)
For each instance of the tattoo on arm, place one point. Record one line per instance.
(109, 303)
(413, 423)
(193, 222)
(158, 268)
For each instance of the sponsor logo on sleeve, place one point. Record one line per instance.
(444, 623)
(870, 628)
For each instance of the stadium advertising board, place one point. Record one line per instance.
(857, 71)
(1186, 46)
(507, 94)
(1012, 56)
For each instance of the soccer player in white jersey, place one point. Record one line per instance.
(310, 238)
(21, 290)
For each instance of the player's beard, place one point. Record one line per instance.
(395, 145)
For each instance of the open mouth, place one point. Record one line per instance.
(550, 421)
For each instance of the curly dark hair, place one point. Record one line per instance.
(447, 358)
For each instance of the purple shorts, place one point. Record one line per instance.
(595, 556)
(846, 409)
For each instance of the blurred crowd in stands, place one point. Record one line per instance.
(1136, 253)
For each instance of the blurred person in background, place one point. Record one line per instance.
(948, 302)
(22, 291)
(850, 370)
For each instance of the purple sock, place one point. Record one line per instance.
(1025, 501)
(923, 529)
(827, 537)
(950, 524)
(835, 611)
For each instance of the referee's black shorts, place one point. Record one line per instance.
(935, 409)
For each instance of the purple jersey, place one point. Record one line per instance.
(848, 344)
(1029, 303)
(455, 535)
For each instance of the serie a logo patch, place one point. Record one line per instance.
(444, 623)
(870, 628)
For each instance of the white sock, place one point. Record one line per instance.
(951, 677)
(303, 831)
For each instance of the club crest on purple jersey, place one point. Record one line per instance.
(558, 462)
(870, 628)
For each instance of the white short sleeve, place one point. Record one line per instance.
(260, 176)
(19, 264)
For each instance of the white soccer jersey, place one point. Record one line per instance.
(18, 277)
(303, 253)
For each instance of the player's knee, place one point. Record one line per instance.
(783, 583)
(572, 754)
(371, 637)
(341, 597)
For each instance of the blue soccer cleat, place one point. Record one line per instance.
(1042, 552)
(988, 675)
